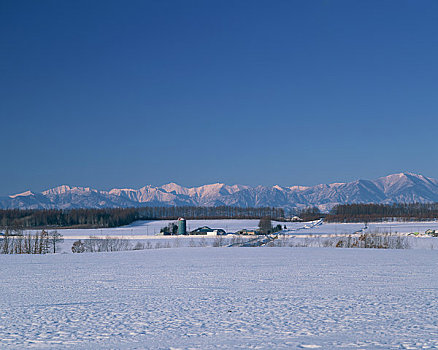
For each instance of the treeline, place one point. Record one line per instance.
(380, 212)
(29, 218)
(114, 217)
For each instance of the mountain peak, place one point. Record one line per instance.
(404, 174)
(67, 189)
(57, 190)
(23, 194)
(174, 187)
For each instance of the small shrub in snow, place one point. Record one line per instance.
(202, 242)
(219, 241)
(139, 246)
(177, 242)
(78, 247)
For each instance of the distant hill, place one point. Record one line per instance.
(395, 188)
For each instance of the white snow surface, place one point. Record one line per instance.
(208, 298)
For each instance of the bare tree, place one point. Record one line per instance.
(5, 243)
(43, 247)
(139, 246)
(202, 242)
(54, 238)
(219, 241)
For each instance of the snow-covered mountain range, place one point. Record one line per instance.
(396, 188)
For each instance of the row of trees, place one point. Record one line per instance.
(373, 212)
(32, 243)
(28, 218)
(374, 241)
(379, 212)
(107, 244)
(113, 217)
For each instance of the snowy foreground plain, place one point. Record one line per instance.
(203, 298)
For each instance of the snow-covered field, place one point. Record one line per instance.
(202, 298)
(140, 229)
(144, 231)
(373, 227)
(150, 228)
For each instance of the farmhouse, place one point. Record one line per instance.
(207, 231)
(433, 233)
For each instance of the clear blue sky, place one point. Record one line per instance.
(127, 93)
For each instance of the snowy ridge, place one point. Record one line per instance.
(395, 188)
(23, 194)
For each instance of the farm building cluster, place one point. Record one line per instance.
(180, 228)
